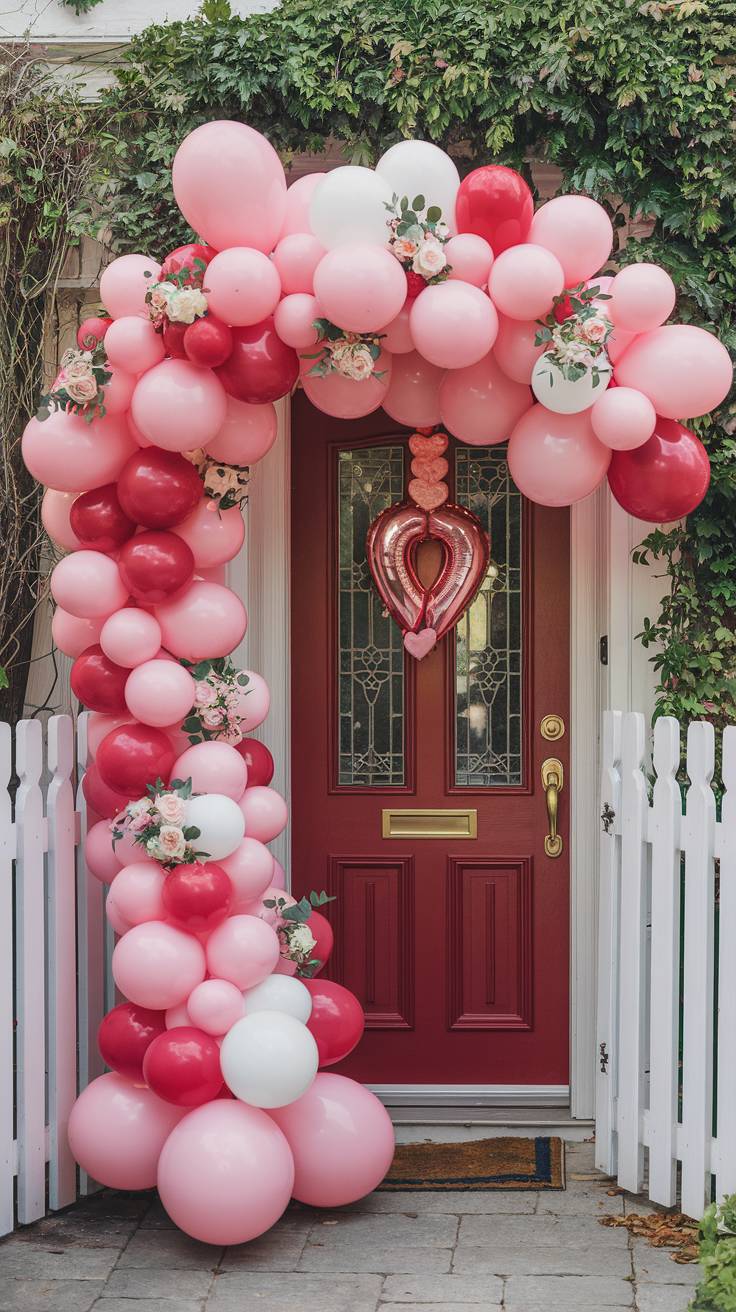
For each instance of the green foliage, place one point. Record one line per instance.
(81, 6)
(716, 1291)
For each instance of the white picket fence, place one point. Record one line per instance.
(667, 965)
(55, 984)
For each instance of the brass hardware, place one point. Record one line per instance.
(552, 728)
(553, 779)
(429, 823)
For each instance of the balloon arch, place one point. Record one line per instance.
(454, 306)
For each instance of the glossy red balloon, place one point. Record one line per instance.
(98, 682)
(183, 258)
(258, 760)
(198, 896)
(158, 488)
(173, 337)
(495, 202)
(155, 565)
(261, 368)
(325, 939)
(183, 1066)
(208, 342)
(98, 519)
(124, 1036)
(104, 801)
(92, 331)
(337, 1020)
(665, 478)
(133, 756)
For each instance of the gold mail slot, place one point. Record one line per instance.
(429, 823)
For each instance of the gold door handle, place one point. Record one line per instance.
(553, 778)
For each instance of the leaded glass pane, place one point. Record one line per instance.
(371, 652)
(488, 696)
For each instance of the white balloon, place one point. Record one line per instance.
(349, 205)
(279, 993)
(220, 822)
(418, 168)
(268, 1059)
(564, 397)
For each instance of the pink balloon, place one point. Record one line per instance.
(453, 324)
(214, 536)
(225, 1173)
(215, 1005)
(98, 853)
(413, 397)
(115, 920)
(397, 336)
(253, 701)
(202, 623)
(578, 231)
(525, 280)
(213, 767)
(229, 184)
(117, 1130)
(179, 405)
(279, 875)
(159, 692)
(685, 371)
(178, 1015)
(157, 965)
(296, 257)
(124, 284)
(98, 727)
(136, 433)
(514, 349)
(285, 967)
(556, 459)
(266, 813)
(623, 418)
(243, 286)
(88, 585)
(130, 636)
(481, 405)
(298, 198)
(342, 1140)
(642, 297)
(345, 398)
(618, 342)
(251, 869)
(271, 915)
(130, 853)
(249, 431)
(294, 319)
(133, 344)
(360, 287)
(242, 950)
(55, 508)
(470, 258)
(137, 893)
(70, 455)
(119, 390)
(72, 634)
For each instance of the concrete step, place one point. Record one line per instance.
(461, 1124)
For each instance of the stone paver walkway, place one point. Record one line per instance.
(392, 1252)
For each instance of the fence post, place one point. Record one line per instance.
(90, 949)
(726, 851)
(62, 979)
(7, 1018)
(608, 929)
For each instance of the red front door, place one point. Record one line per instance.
(457, 947)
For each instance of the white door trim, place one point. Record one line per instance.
(472, 1095)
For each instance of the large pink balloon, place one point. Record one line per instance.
(230, 186)
(342, 1140)
(470, 258)
(642, 297)
(117, 1130)
(298, 198)
(265, 812)
(685, 371)
(137, 893)
(157, 965)
(179, 405)
(226, 1172)
(623, 418)
(118, 390)
(413, 397)
(88, 584)
(159, 692)
(70, 455)
(124, 284)
(214, 536)
(514, 348)
(130, 636)
(253, 701)
(55, 508)
(242, 950)
(101, 860)
(556, 459)
(243, 286)
(578, 231)
(296, 257)
(213, 767)
(396, 335)
(133, 344)
(249, 431)
(453, 324)
(481, 405)
(294, 319)
(525, 280)
(360, 287)
(250, 868)
(202, 623)
(345, 398)
(72, 634)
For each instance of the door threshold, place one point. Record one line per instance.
(482, 1096)
(458, 1125)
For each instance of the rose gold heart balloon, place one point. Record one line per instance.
(390, 549)
(467, 552)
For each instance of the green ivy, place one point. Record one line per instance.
(716, 1291)
(81, 6)
(630, 100)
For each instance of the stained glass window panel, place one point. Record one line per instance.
(489, 638)
(371, 653)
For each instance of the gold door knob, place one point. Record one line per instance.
(553, 778)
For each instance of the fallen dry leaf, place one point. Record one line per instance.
(662, 1230)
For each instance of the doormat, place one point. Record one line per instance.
(479, 1164)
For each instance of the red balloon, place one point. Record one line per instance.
(183, 258)
(337, 1020)
(495, 202)
(124, 1036)
(98, 520)
(321, 930)
(133, 756)
(261, 368)
(92, 331)
(173, 335)
(258, 760)
(183, 1066)
(208, 342)
(665, 478)
(155, 565)
(106, 802)
(158, 488)
(198, 896)
(98, 682)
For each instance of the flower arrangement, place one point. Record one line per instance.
(295, 937)
(219, 690)
(418, 236)
(225, 486)
(79, 385)
(180, 298)
(574, 334)
(157, 823)
(354, 355)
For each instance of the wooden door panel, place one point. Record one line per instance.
(490, 962)
(374, 952)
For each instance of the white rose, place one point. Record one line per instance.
(79, 367)
(82, 390)
(430, 259)
(595, 330)
(186, 305)
(138, 807)
(168, 845)
(358, 364)
(171, 808)
(300, 943)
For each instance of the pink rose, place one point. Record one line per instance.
(169, 844)
(82, 390)
(404, 249)
(138, 823)
(212, 717)
(204, 693)
(171, 808)
(595, 330)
